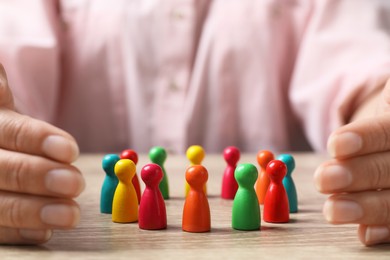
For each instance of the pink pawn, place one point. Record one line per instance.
(231, 155)
(276, 207)
(152, 212)
(132, 155)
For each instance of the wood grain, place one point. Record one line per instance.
(307, 235)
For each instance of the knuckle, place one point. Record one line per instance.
(383, 142)
(11, 212)
(380, 176)
(14, 174)
(384, 216)
(18, 131)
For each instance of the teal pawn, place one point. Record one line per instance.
(109, 184)
(158, 155)
(246, 210)
(288, 182)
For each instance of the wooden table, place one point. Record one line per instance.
(307, 235)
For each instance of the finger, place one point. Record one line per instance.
(373, 235)
(6, 98)
(364, 136)
(33, 212)
(25, 173)
(363, 173)
(369, 208)
(27, 135)
(13, 236)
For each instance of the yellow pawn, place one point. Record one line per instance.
(195, 155)
(125, 202)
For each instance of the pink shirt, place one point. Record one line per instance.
(261, 74)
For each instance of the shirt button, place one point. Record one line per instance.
(276, 11)
(177, 15)
(173, 86)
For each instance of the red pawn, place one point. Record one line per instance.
(132, 155)
(196, 212)
(152, 212)
(231, 155)
(276, 208)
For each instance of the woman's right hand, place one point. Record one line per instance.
(37, 181)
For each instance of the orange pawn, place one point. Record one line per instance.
(263, 181)
(125, 202)
(196, 212)
(195, 154)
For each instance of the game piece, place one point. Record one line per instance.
(195, 155)
(246, 209)
(125, 203)
(261, 186)
(132, 155)
(196, 212)
(276, 209)
(109, 184)
(231, 155)
(158, 155)
(152, 212)
(288, 182)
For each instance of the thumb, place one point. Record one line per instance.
(6, 98)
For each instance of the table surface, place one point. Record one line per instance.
(306, 236)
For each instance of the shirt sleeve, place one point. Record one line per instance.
(344, 56)
(29, 51)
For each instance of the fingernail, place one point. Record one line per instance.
(64, 182)
(375, 235)
(332, 177)
(36, 235)
(60, 215)
(342, 211)
(60, 148)
(344, 144)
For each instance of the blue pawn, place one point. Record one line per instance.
(288, 182)
(109, 184)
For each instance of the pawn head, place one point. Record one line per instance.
(195, 154)
(264, 157)
(231, 155)
(246, 175)
(151, 174)
(108, 163)
(158, 155)
(130, 154)
(197, 176)
(288, 161)
(125, 170)
(276, 170)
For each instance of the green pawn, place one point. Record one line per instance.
(158, 155)
(246, 210)
(288, 182)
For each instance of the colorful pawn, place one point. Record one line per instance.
(196, 212)
(276, 209)
(195, 155)
(109, 184)
(231, 155)
(246, 209)
(158, 155)
(152, 212)
(263, 158)
(132, 155)
(288, 182)
(125, 203)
